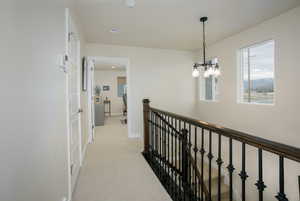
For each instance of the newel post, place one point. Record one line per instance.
(146, 109)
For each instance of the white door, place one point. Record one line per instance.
(73, 71)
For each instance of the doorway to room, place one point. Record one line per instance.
(110, 91)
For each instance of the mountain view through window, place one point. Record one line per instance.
(257, 67)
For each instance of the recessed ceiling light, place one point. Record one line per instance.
(114, 30)
(130, 3)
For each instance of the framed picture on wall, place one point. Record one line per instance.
(84, 73)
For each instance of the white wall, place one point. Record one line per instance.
(164, 76)
(279, 122)
(33, 102)
(109, 77)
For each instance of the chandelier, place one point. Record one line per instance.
(210, 68)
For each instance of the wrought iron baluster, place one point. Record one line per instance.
(169, 146)
(189, 152)
(164, 148)
(156, 135)
(176, 163)
(243, 173)
(219, 162)
(189, 143)
(160, 148)
(184, 158)
(195, 156)
(260, 183)
(171, 158)
(281, 196)
(151, 133)
(210, 157)
(180, 160)
(230, 168)
(202, 152)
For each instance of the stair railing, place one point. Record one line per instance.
(168, 151)
(174, 146)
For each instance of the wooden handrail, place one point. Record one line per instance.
(290, 152)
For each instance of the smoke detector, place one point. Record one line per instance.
(130, 3)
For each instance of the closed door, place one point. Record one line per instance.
(74, 103)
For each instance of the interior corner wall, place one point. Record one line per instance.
(33, 102)
(163, 76)
(280, 122)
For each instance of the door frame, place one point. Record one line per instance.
(126, 62)
(90, 97)
(68, 19)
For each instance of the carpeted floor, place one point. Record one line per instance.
(115, 170)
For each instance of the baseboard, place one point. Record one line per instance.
(116, 114)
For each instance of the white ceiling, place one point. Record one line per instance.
(109, 67)
(173, 24)
(106, 63)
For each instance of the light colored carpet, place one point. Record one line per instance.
(115, 170)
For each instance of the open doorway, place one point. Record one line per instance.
(110, 91)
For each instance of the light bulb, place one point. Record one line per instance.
(195, 73)
(217, 72)
(210, 71)
(206, 74)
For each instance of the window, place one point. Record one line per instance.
(209, 86)
(257, 73)
(121, 86)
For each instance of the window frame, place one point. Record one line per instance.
(119, 78)
(240, 86)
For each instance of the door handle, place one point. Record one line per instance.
(80, 110)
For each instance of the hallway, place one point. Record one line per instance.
(115, 170)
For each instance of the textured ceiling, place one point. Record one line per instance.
(172, 24)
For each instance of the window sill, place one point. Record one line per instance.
(209, 101)
(261, 104)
